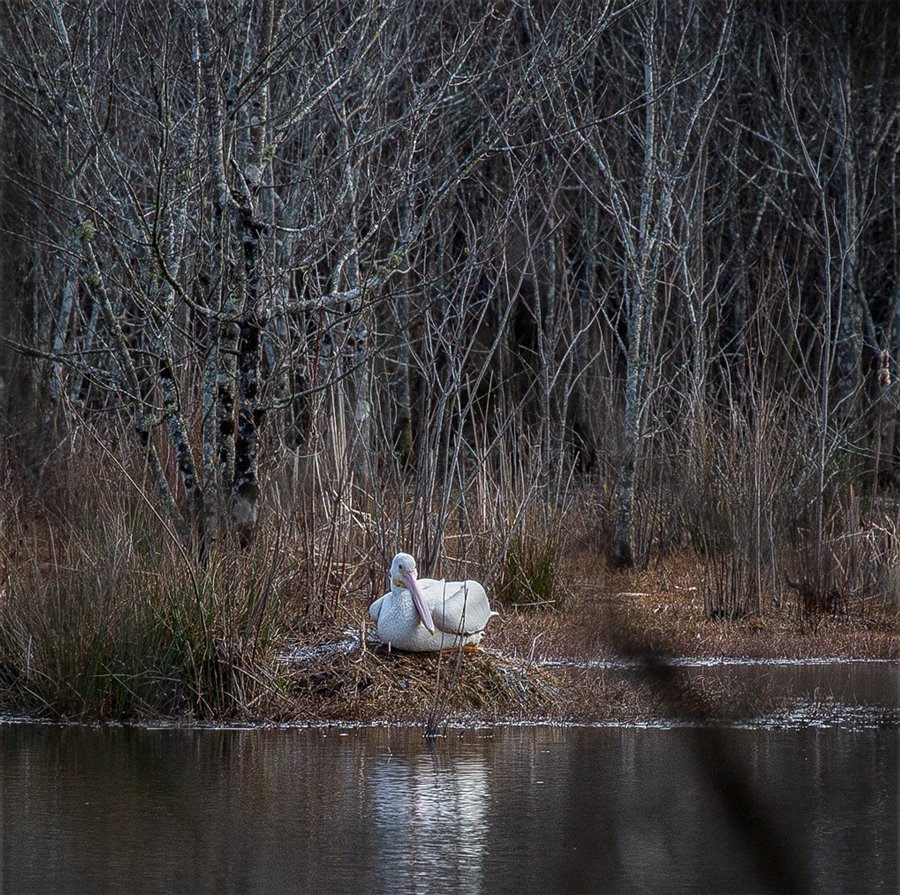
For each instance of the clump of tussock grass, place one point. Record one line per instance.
(748, 500)
(528, 577)
(740, 502)
(104, 616)
(153, 642)
(854, 566)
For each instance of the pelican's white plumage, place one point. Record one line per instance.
(423, 615)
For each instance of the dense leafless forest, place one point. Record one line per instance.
(487, 281)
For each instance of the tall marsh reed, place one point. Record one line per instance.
(103, 615)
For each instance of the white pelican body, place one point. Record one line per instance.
(429, 614)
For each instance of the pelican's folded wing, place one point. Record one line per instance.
(459, 607)
(375, 608)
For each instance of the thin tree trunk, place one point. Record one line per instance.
(642, 305)
(245, 495)
(222, 301)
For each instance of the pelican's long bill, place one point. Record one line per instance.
(419, 601)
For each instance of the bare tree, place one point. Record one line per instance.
(408, 254)
(262, 140)
(673, 74)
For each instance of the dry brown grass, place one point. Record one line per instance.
(101, 617)
(664, 607)
(606, 614)
(377, 686)
(374, 683)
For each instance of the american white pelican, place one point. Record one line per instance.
(426, 615)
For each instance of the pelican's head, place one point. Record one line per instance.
(403, 563)
(403, 577)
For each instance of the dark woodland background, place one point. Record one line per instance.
(486, 280)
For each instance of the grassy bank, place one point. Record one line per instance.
(104, 616)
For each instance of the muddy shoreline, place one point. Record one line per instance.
(341, 685)
(371, 685)
(639, 651)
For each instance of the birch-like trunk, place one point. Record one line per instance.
(222, 299)
(402, 397)
(670, 120)
(640, 304)
(63, 321)
(172, 410)
(245, 493)
(347, 277)
(643, 303)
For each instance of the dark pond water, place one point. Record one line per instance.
(515, 809)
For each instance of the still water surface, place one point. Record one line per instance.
(533, 809)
